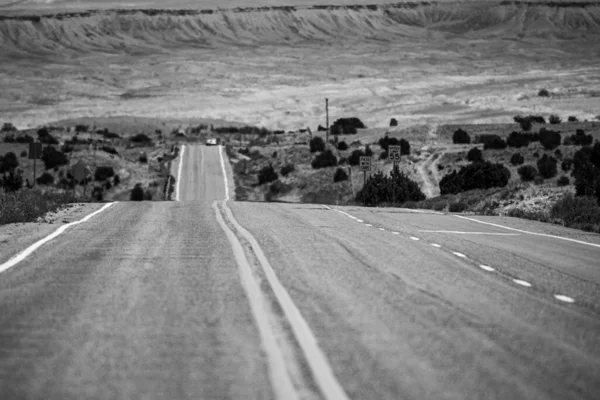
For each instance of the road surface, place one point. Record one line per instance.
(171, 300)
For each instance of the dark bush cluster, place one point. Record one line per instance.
(267, 174)
(53, 158)
(562, 181)
(491, 142)
(517, 159)
(81, 128)
(549, 139)
(45, 179)
(342, 146)
(346, 126)
(8, 162)
(586, 171)
(24, 139)
(8, 127)
(137, 193)
(547, 166)
(572, 118)
(461, 137)
(109, 150)
(386, 142)
(245, 130)
(354, 158)
(107, 134)
(566, 164)
(480, 175)
(543, 93)
(475, 155)
(45, 137)
(393, 122)
(521, 139)
(340, 175)
(286, 169)
(141, 138)
(526, 122)
(527, 173)
(11, 182)
(104, 173)
(324, 160)
(316, 144)
(554, 119)
(578, 139)
(392, 189)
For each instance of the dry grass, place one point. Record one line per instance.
(27, 205)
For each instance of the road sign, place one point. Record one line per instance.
(394, 153)
(365, 163)
(35, 150)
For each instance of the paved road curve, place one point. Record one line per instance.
(146, 301)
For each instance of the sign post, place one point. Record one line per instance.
(365, 165)
(394, 155)
(35, 152)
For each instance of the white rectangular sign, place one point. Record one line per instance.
(394, 153)
(365, 163)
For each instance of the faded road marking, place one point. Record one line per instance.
(25, 253)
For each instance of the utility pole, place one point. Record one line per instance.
(327, 121)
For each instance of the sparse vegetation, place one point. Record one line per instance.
(28, 204)
(342, 146)
(577, 212)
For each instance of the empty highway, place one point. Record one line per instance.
(208, 298)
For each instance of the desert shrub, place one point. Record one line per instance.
(11, 182)
(537, 119)
(98, 193)
(368, 151)
(109, 150)
(317, 144)
(8, 127)
(286, 169)
(558, 154)
(244, 151)
(53, 158)
(148, 194)
(380, 188)
(143, 158)
(554, 119)
(81, 128)
(340, 175)
(547, 166)
(45, 179)
(491, 142)
(549, 139)
(140, 138)
(108, 185)
(579, 212)
(457, 207)
(354, 158)
(321, 128)
(521, 139)
(137, 193)
(475, 155)
(525, 125)
(24, 139)
(116, 180)
(274, 155)
(527, 173)
(404, 147)
(572, 118)
(517, 159)
(111, 135)
(536, 154)
(324, 159)
(578, 139)
(563, 181)
(383, 155)
(543, 93)
(28, 204)
(347, 126)
(461, 137)
(104, 173)
(9, 139)
(393, 122)
(586, 171)
(267, 174)
(8, 162)
(342, 146)
(481, 175)
(24, 153)
(386, 141)
(566, 164)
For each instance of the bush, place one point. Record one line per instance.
(11, 182)
(28, 204)
(8, 127)
(141, 138)
(461, 137)
(354, 158)
(457, 207)
(368, 151)
(566, 164)
(586, 171)
(143, 158)
(572, 118)
(324, 160)
(9, 162)
(554, 119)
(347, 126)
(558, 154)
(475, 155)
(45, 179)
(104, 173)
(98, 193)
(267, 174)
(579, 212)
(547, 166)
(137, 193)
(517, 159)
(562, 181)
(527, 173)
(116, 180)
(81, 128)
(491, 142)
(579, 139)
(404, 147)
(24, 139)
(386, 141)
(383, 155)
(521, 139)
(340, 175)
(53, 158)
(24, 153)
(9, 139)
(526, 125)
(286, 169)
(109, 150)
(543, 93)
(317, 144)
(549, 139)
(342, 146)
(481, 175)
(382, 189)
(393, 122)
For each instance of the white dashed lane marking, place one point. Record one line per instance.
(359, 220)
(368, 225)
(457, 254)
(522, 283)
(566, 299)
(396, 233)
(486, 268)
(414, 238)
(436, 245)
(381, 229)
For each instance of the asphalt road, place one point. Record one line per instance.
(148, 301)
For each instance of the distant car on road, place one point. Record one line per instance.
(211, 142)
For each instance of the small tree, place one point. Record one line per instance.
(572, 118)
(404, 147)
(8, 127)
(566, 164)
(527, 173)
(317, 144)
(461, 137)
(393, 122)
(554, 119)
(137, 193)
(342, 146)
(286, 169)
(103, 173)
(12, 182)
(517, 159)
(324, 160)
(354, 158)
(9, 162)
(45, 179)
(475, 155)
(543, 93)
(340, 175)
(550, 139)
(53, 158)
(562, 181)
(267, 174)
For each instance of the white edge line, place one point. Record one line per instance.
(316, 359)
(25, 253)
(531, 233)
(179, 172)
